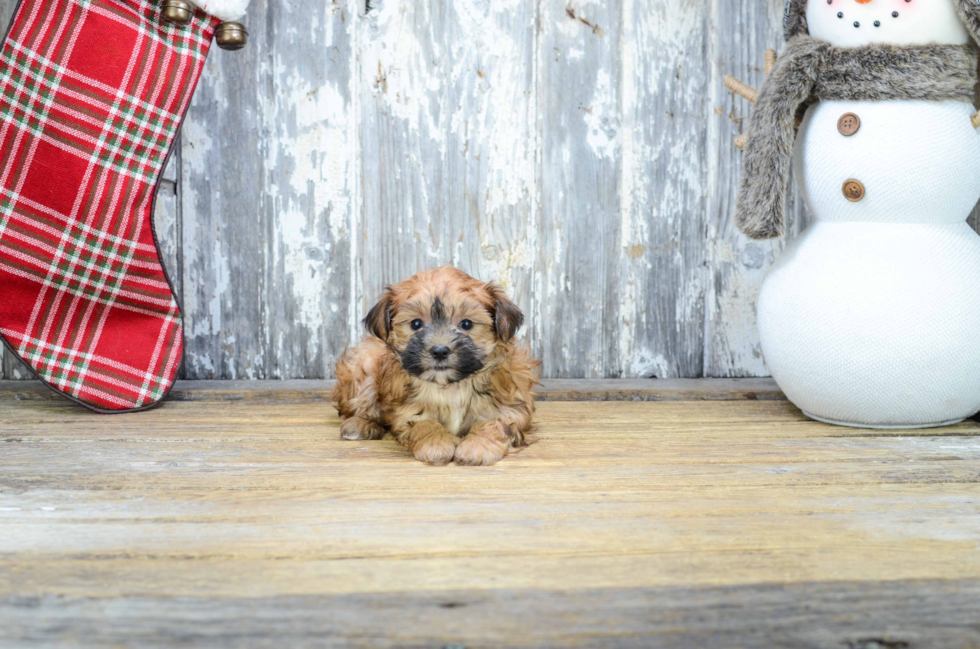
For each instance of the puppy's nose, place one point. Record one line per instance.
(440, 353)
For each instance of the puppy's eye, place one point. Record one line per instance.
(466, 325)
(417, 324)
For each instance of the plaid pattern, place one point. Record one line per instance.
(92, 93)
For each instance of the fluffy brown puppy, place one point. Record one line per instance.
(440, 371)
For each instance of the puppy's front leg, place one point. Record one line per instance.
(487, 443)
(359, 428)
(429, 442)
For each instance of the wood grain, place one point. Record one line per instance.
(620, 285)
(577, 151)
(268, 198)
(738, 510)
(893, 615)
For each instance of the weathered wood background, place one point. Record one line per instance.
(577, 151)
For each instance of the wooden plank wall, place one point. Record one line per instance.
(577, 151)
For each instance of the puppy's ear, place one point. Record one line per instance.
(378, 320)
(507, 318)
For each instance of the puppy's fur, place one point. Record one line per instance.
(441, 363)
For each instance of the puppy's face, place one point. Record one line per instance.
(443, 324)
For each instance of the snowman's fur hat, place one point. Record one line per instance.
(794, 21)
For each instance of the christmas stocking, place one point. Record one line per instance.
(92, 94)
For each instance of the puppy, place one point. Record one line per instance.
(440, 371)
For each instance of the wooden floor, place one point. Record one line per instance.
(247, 522)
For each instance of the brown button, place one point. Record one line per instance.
(848, 124)
(853, 190)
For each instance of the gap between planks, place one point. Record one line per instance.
(550, 390)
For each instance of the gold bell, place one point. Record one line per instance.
(231, 36)
(177, 12)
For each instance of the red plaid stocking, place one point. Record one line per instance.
(92, 93)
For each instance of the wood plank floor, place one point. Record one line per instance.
(247, 522)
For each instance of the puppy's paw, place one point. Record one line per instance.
(356, 428)
(436, 450)
(485, 445)
(429, 442)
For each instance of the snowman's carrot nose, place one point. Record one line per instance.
(862, 2)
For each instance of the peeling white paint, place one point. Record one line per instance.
(318, 188)
(602, 118)
(415, 136)
(647, 364)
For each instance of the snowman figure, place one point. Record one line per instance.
(871, 317)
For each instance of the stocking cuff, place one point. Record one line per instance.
(223, 9)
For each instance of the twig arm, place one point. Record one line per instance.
(746, 91)
(741, 89)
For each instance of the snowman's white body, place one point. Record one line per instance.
(871, 317)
